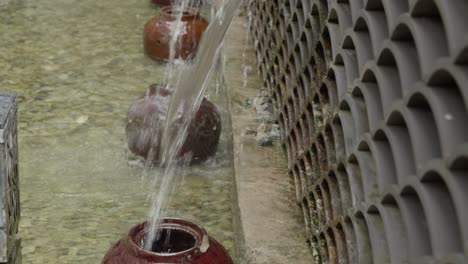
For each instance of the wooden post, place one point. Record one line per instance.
(10, 243)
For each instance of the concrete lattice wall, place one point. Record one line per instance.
(372, 98)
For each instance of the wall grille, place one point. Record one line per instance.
(372, 97)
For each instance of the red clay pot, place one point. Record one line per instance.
(162, 2)
(146, 119)
(189, 241)
(171, 2)
(158, 35)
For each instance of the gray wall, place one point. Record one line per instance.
(371, 97)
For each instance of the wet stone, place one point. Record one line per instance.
(249, 132)
(275, 131)
(6, 101)
(248, 101)
(264, 137)
(263, 107)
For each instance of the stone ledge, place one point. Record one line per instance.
(7, 106)
(10, 244)
(271, 224)
(15, 253)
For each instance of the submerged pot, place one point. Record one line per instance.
(146, 119)
(187, 243)
(158, 33)
(172, 2)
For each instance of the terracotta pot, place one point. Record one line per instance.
(146, 119)
(188, 243)
(171, 2)
(158, 34)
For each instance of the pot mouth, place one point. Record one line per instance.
(174, 11)
(172, 240)
(178, 237)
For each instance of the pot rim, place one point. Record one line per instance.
(187, 12)
(138, 232)
(158, 89)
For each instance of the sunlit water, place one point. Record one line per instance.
(76, 66)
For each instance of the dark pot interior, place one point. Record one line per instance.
(173, 241)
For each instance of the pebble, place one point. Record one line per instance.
(264, 137)
(248, 131)
(82, 119)
(263, 107)
(275, 131)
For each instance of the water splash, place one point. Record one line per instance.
(174, 66)
(190, 82)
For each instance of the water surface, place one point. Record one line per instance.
(76, 66)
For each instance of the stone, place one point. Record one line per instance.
(10, 244)
(14, 257)
(275, 131)
(264, 138)
(267, 133)
(249, 132)
(263, 107)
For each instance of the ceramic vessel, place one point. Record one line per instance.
(146, 119)
(158, 33)
(171, 2)
(188, 243)
(163, 2)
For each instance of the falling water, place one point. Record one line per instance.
(174, 66)
(190, 82)
(172, 73)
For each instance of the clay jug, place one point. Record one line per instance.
(181, 241)
(146, 119)
(192, 3)
(158, 33)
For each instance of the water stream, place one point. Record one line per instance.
(189, 86)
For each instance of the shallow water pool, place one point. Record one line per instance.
(76, 66)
